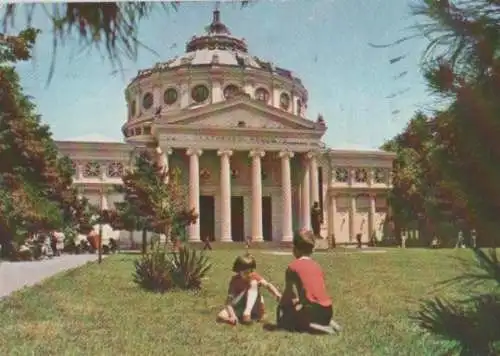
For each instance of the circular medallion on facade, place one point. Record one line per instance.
(199, 93)
(284, 101)
(231, 91)
(170, 96)
(262, 94)
(147, 101)
(92, 170)
(115, 170)
(361, 175)
(341, 175)
(133, 108)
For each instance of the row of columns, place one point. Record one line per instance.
(352, 211)
(309, 188)
(225, 190)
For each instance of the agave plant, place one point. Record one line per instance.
(472, 325)
(189, 267)
(153, 271)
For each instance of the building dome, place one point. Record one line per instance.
(216, 66)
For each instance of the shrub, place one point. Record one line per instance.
(160, 271)
(153, 271)
(189, 267)
(469, 326)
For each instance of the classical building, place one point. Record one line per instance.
(237, 129)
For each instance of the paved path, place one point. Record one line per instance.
(16, 275)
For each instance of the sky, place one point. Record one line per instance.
(326, 43)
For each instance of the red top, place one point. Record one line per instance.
(310, 280)
(238, 284)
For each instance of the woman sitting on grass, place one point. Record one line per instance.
(244, 302)
(310, 309)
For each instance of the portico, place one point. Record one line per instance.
(278, 190)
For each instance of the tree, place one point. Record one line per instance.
(462, 66)
(109, 26)
(466, 72)
(154, 200)
(418, 194)
(35, 183)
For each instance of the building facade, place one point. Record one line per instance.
(236, 128)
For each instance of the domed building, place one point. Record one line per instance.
(237, 129)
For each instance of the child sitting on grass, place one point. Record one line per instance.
(244, 302)
(310, 308)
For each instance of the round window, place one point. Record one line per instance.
(199, 93)
(284, 101)
(262, 95)
(230, 91)
(170, 96)
(133, 108)
(147, 101)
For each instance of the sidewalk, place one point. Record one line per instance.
(16, 275)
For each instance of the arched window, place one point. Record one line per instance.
(262, 94)
(284, 101)
(231, 91)
(147, 101)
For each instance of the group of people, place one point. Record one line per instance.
(44, 245)
(304, 305)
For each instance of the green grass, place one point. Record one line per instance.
(98, 310)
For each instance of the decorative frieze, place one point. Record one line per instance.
(237, 139)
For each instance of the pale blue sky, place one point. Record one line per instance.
(324, 42)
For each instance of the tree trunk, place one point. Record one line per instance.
(144, 241)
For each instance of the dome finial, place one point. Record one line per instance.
(216, 13)
(217, 27)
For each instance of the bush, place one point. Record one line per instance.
(161, 271)
(469, 326)
(153, 271)
(189, 268)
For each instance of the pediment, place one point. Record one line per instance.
(242, 115)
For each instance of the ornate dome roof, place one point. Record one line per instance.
(218, 47)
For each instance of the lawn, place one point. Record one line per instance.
(98, 310)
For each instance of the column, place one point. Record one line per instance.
(162, 160)
(225, 191)
(157, 97)
(306, 198)
(79, 170)
(257, 234)
(103, 205)
(286, 186)
(194, 190)
(332, 214)
(371, 217)
(80, 191)
(314, 177)
(352, 213)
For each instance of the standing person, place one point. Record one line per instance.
(316, 219)
(308, 307)
(460, 240)
(206, 243)
(473, 237)
(53, 243)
